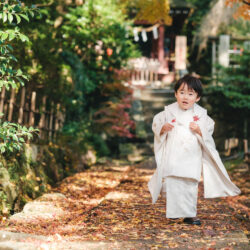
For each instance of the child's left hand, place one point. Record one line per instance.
(195, 128)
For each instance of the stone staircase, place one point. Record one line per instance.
(148, 102)
(153, 102)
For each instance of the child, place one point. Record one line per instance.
(184, 148)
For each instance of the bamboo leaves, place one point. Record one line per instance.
(12, 135)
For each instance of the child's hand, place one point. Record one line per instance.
(165, 128)
(195, 128)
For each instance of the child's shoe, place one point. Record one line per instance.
(192, 221)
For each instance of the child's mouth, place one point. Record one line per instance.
(185, 102)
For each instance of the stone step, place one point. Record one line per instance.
(154, 96)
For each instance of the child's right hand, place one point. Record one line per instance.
(166, 128)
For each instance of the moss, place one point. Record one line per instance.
(231, 164)
(32, 174)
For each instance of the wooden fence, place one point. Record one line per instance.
(29, 109)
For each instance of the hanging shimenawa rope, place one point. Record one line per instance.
(137, 30)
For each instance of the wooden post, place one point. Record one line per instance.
(245, 141)
(11, 104)
(5, 111)
(142, 75)
(2, 99)
(147, 75)
(57, 117)
(213, 58)
(41, 124)
(32, 109)
(161, 43)
(51, 121)
(61, 117)
(20, 116)
(26, 115)
(151, 75)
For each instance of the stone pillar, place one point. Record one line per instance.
(223, 53)
(180, 54)
(213, 58)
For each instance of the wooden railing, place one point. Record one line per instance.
(147, 72)
(27, 109)
(143, 71)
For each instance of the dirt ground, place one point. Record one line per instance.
(109, 207)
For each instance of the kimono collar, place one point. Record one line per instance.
(198, 110)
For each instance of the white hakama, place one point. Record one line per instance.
(181, 197)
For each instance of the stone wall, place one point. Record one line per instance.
(26, 175)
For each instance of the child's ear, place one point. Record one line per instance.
(175, 94)
(198, 98)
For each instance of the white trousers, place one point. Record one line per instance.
(181, 196)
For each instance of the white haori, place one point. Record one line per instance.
(183, 154)
(181, 197)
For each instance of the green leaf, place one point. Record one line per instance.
(15, 138)
(10, 17)
(5, 17)
(12, 35)
(25, 17)
(13, 85)
(31, 13)
(4, 36)
(18, 19)
(21, 139)
(23, 37)
(2, 150)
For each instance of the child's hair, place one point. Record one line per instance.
(192, 83)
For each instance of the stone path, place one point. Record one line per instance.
(110, 208)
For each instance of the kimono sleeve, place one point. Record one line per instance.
(207, 131)
(217, 182)
(158, 121)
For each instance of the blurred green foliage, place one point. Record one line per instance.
(229, 96)
(74, 51)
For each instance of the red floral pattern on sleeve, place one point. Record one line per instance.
(196, 118)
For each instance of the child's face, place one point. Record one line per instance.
(186, 97)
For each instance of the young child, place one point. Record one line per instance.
(184, 149)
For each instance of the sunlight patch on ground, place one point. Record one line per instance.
(92, 201)
(118, 196)
(146, 177)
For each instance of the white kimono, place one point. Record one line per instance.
(183, 173)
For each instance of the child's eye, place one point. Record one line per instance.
(191, 94)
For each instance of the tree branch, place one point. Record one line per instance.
(246, 2)
(44, 5)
